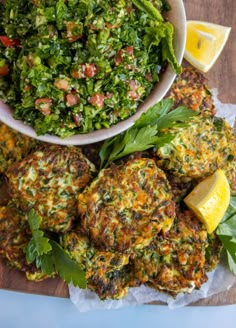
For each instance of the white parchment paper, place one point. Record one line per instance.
(219, 279)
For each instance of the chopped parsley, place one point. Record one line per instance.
(77, 66)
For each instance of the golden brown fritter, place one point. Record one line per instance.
(199, 149)
(14, 236)
(13, 146)
(49, 180)
(176, 261)
(126, 206)
(106, 272)
(190, 89)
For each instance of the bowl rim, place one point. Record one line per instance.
(158, 92)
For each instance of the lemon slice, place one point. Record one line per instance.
(210, 199)
(205, 42)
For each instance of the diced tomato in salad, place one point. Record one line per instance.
(4, 70)
(119, 56)
(97, 100)
(72, 99)
(10, 43)
(44, 105)
(85, 70)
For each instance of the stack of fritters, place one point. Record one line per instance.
(151, 243)
(129, 225)
(47, 180)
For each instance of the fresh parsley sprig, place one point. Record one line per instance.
(226, 232)
(146, 132)
(161, 33)
(50, 257)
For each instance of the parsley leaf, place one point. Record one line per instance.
(50, 257)
(66, 268)
(226, 232)
(153, 115)
(168, 49)
(146, 132)
(161, 33)
(38, 244)
(148, 8)
(61, 12)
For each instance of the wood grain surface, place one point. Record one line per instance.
(222, 76)
(223, 73)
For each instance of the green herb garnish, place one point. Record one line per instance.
(49, 256)
(226, 232)
(146, 132)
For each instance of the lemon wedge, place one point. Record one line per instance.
(210, 199)
(205, 42)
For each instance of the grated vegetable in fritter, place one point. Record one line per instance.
(13, 146)
(49, 180)
(199, 149)
(127, 205)
(190, 89)
(106, 271)
(176, 260)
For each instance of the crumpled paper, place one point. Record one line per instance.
(219, 279)
(226, 111)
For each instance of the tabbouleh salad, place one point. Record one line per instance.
(75, 66)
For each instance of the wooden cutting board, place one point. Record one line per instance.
(222, 76)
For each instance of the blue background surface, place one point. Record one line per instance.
(24, 310)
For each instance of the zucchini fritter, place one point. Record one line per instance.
(49, 180)
(230, 171)
(106, 271)
(190, 89)
(14, 236)
(176, 261)
(13, 146)
(199, 149)
(126, 206)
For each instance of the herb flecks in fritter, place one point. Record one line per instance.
(106, 271)
(199, 149)
(230, 166)
(190, 89)
(14, 236)
(49, 180)
(13, 146)
(127, 205)
(176, 262)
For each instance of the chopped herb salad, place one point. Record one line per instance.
(75, 66)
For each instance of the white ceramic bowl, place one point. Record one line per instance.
(177, 17)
